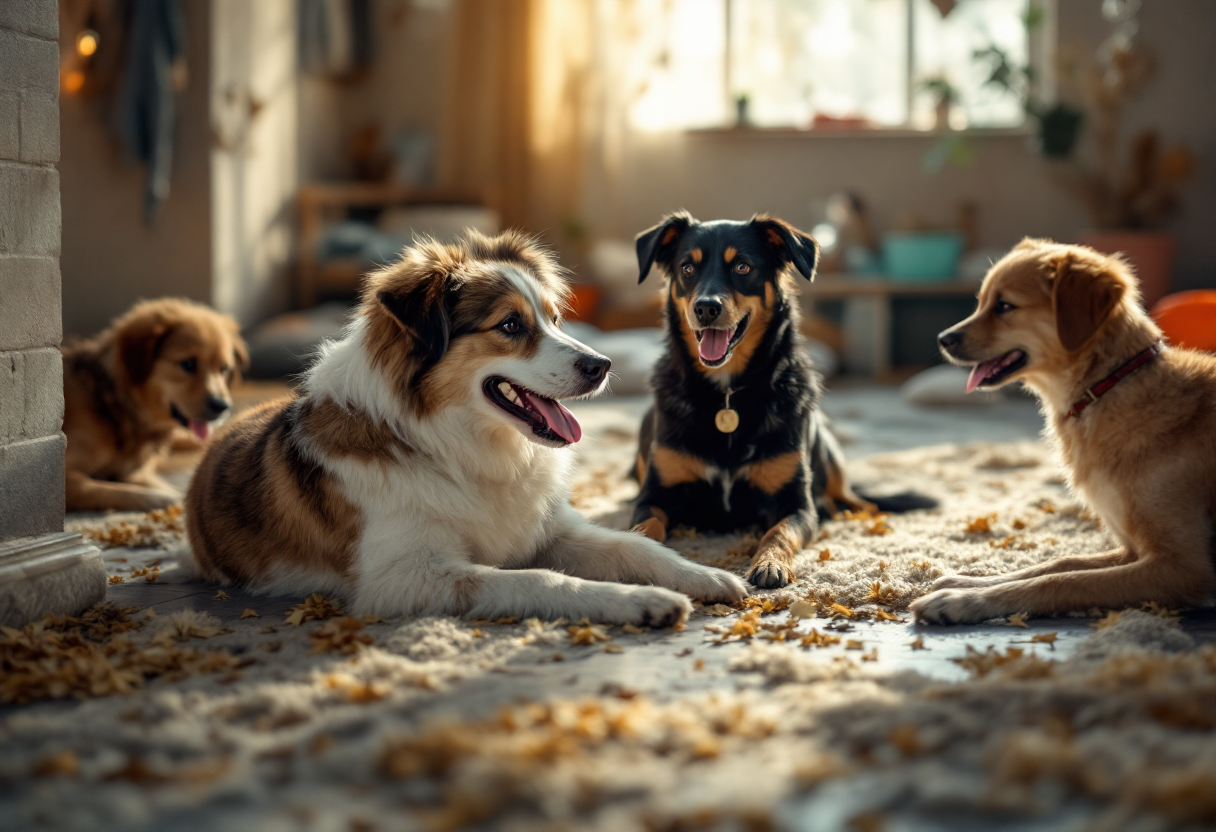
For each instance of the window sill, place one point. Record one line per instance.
(869, 133)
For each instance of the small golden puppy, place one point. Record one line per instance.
(1133, 422)
(164, 365)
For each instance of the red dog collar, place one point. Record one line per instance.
(1092, 394)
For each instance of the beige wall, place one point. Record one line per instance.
(403, 89)
(110, 258)
(224, 235)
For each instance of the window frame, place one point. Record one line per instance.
(1040, 41)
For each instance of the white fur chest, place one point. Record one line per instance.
(417, 507)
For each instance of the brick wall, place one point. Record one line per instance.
(31, 374)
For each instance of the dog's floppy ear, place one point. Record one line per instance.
(790, 244)
(239, 348)
(1084, 292)
(422, 308)
(140, 339)
(658, 244)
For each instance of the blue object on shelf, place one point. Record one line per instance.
(922, 256)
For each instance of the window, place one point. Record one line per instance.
(858, 63)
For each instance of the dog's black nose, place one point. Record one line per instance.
(707, 310)
(949, 339)
(216, 406)
(593, 367)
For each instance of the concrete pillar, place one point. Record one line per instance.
(42, 568)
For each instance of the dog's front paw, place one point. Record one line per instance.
(651, 606)
(771, 575)
(954, 606)
(714, 586)
(958, 581)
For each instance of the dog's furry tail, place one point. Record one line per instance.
(900, 503)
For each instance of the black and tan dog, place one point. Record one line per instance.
(735, 439)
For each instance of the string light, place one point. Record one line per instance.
(87, 43)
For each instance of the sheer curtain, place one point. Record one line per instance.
(543, 103)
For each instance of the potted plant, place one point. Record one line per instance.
(1129, 196)
(945, 96)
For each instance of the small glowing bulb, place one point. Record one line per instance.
(86, 43)
(73, 81)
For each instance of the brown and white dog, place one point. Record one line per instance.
(1134, 426)
(422, 470)
(163, 366)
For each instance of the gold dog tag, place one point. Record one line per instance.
(726, 420)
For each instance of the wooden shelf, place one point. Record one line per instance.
(322, 202)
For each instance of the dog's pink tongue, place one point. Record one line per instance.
(714, 343)
(200, 429)
(559, 419)
(980, 372)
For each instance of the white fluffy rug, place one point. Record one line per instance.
(202, 716)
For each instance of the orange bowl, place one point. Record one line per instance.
(1188, 319)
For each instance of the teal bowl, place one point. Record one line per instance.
(922, 256)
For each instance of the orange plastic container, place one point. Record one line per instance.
(1188, 319)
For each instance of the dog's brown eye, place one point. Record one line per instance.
(190, 365)
(742, 268)
(1003, 306)
(510, 325)
(687, 269)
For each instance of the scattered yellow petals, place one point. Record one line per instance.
(63, 763)
(918, 643)
(718, 609)
(360, 692)
(250, 614)
(613, 648)
(341, 635)
(315, 606)
(880, 594)
(116, 579)
(854, 644)
(1110, 619)
(817, 639)
(765, 604)
(1018, 619)
(148, 573)
(980, 525)
(585, 634)
(220, 596)
(825, 554)
(1043, 638)
(632, 630)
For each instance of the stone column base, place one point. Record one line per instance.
(58, 573)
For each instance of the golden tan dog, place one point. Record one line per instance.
(1134, 427)
(164, 365)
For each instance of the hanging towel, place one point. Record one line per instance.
(147, 106)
